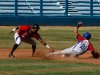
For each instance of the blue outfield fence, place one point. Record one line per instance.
(49, 12)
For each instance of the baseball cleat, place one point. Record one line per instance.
(63, 56)
(11, 56)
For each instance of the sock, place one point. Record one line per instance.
(14, 48)
(33, 49)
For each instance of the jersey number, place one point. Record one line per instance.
(83, 47)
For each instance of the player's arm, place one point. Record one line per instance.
(45, 44)
(37, 36)
(14, 29)
(76, 28)
(95, 54)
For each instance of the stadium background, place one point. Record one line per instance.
(51, 12)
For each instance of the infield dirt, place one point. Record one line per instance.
(41, 55)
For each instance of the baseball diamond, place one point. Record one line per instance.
(23, 63)
(49, 37)
(40, 55)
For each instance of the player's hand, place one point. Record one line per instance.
(11, 32)
(51, 49)
(96, 55)
(80, 24)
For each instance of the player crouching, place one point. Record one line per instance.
(25, 33)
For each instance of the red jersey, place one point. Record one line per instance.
(35, 35)
(90, 46)
(25, 32)
(25, 27)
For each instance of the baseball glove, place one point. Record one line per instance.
(96, 55)
(80, 24)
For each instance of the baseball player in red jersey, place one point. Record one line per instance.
(25, 34)
(83, 44)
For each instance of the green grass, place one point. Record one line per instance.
(59, 38)
(45, 67)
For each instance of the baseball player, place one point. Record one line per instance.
(83, 44)
(25, 34)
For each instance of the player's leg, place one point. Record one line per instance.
(65, 52)
(33, 48)
(69, 52)
(18, 41)
(77, 54)
(32, 42)
(54, 53)
(13, 49)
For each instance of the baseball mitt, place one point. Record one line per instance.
(96, 55)
(80, 23)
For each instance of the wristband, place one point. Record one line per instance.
(14, 29)
(47, 46)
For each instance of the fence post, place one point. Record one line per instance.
(91, 7)
(41, 7)
(16, 6)
(66, 7)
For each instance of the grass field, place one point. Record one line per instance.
(45, 67)
(58, 37)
